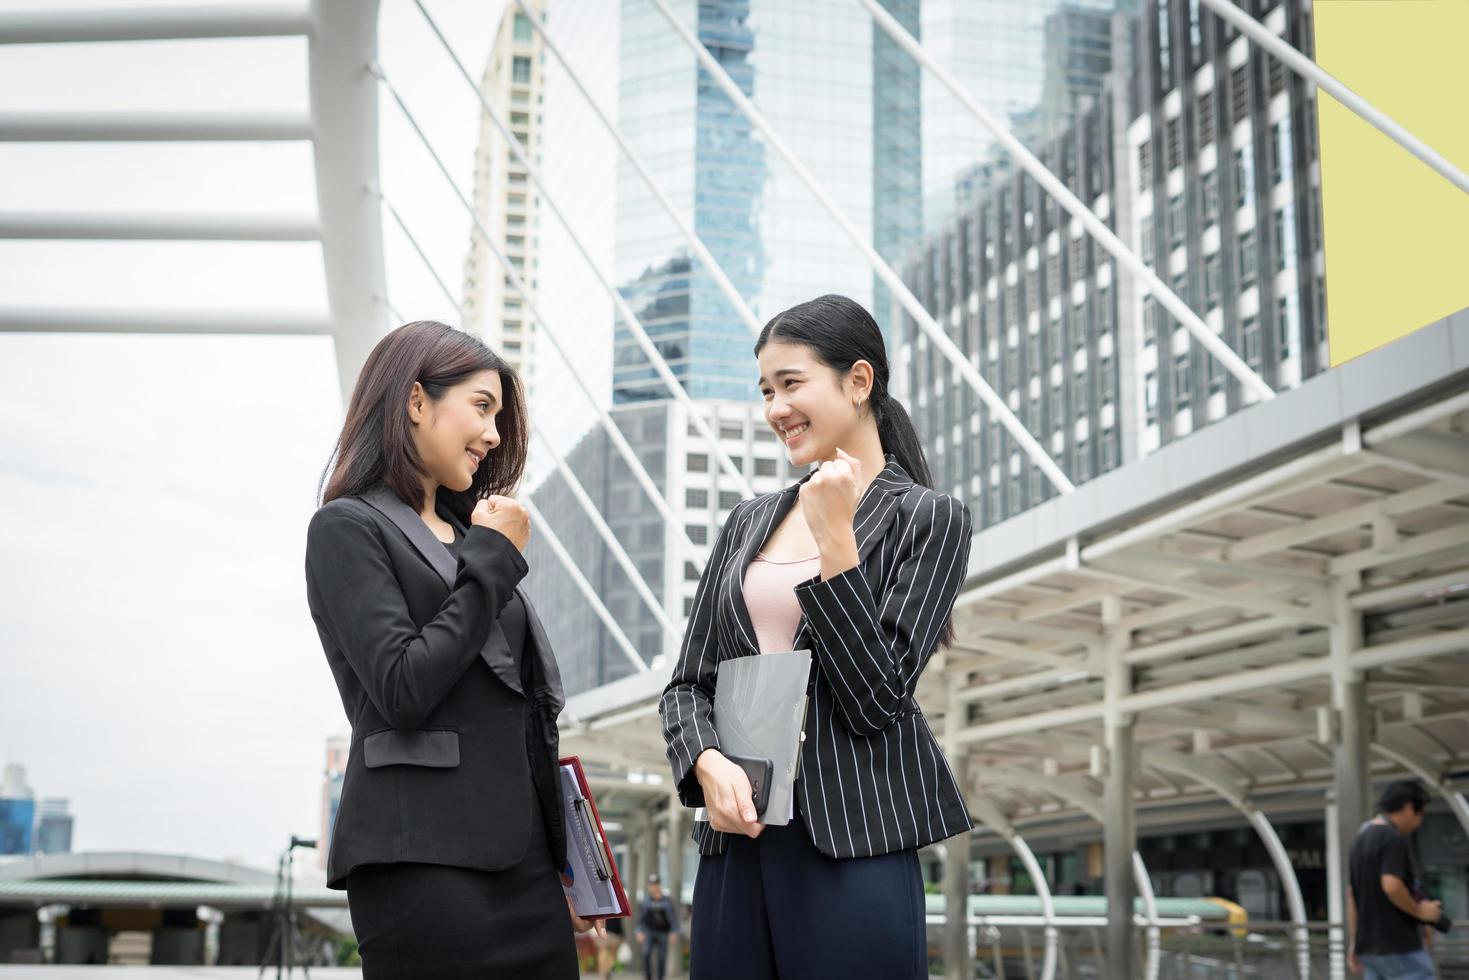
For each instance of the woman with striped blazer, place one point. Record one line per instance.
(860, 562)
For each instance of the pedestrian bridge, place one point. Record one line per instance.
(1259, 619)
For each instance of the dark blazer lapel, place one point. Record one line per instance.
(496, 652)
(432, 550)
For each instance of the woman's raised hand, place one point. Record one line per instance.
(506, 515)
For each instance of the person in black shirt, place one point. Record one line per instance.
(1385, 912)
(657, 919)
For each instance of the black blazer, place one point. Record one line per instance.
(450, 732)
(873, 779)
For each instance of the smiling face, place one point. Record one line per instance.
(808, 404)
(455, 434)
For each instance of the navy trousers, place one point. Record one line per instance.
(777, 907)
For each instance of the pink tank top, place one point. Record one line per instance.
(770, 595)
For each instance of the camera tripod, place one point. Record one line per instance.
(286, 944)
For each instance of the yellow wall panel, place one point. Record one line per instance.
(1396, 232)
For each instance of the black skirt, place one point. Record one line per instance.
(436, 922)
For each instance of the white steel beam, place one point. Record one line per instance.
(619, 302)
(31, 319)
(344, 113)
(85, 25)
(57, 226)
(925, 321)
(126, 127)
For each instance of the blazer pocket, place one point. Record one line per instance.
(435, 748)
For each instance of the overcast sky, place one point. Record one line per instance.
(159, 666)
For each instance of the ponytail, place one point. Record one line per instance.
(899, 437)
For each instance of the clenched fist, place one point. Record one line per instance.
(829, 498)
(506, 515)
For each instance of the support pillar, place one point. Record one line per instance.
(1336, 890)
(1352, 725)
(677, 833)
(957, 947)
(1120, 830)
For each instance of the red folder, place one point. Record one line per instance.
(590, 878)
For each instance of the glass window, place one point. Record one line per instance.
(1247, 260)
(1250, 340)
(1212, 286)
(698, 463)
(523, 33)
(698, 533)
(1150, 395)
(1210, 183)
(690, 574)
(1145, 240)
(728, 499)
(764, 467)
(520, 71)
(695, 497)
(1284, 239)
(1244, 176)
(1206, 118)
(1145, 166)
(1175, 221)
(1239, 92)
(1181, 387)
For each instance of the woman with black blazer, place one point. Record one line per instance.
(860, 562)
(448, 837)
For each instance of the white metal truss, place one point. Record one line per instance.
(639, 471)
(342, 126)
(619, 302)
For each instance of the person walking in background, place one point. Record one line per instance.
(859, 562)
(449, 837)
(1387, 913)
(657, 920)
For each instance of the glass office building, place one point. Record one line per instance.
(1201, 156)
(848, 108)
(1029, 62)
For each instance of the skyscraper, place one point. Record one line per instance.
(54, 824)
(507, 205)
(17, 812)
(847, 107)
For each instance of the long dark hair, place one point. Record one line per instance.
(841, 333)
(376, 443)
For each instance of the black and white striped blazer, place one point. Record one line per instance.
(873, 779)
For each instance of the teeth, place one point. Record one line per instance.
(790, 434)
